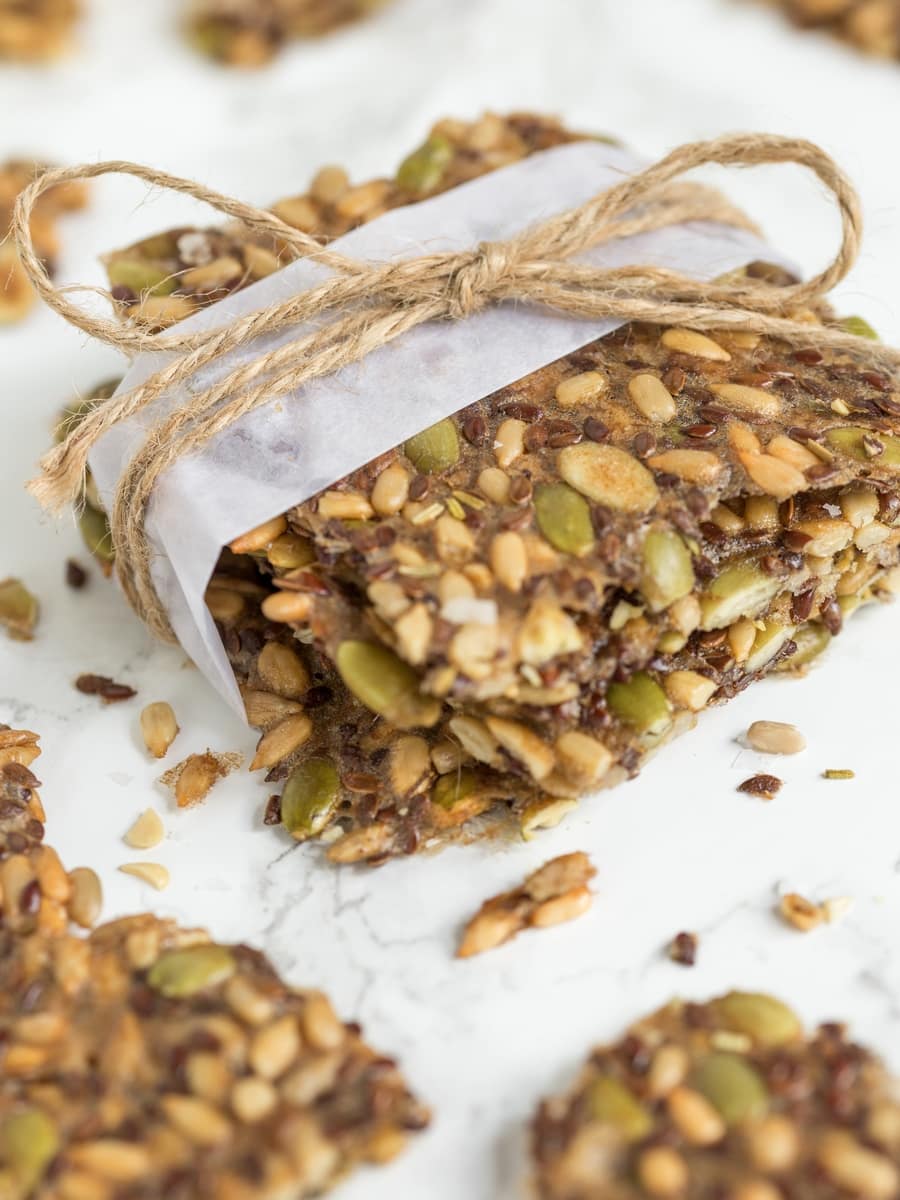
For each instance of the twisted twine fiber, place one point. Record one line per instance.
(367, 305)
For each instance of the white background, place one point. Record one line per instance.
(678, 849)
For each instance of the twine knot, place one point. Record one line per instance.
(471, 287)
(365, 306)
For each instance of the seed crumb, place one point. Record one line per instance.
(148, 872)
(842, 773)
(683, 949)
(836, 908)
(556, 892)
(192, 779)
(18, 610)
(146, 832)
(801, 913)
(104, 687)
(766, 787)
(76, 575)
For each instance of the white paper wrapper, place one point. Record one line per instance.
(288, 451)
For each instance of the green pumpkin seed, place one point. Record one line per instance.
(641, 703)
(73, 414)
(185, 972)
(767, 643)
(668, 573)
(424, 168)
(611, 1102)
(141, 277)
(811, 640)
(385, 684)
(95, 531)
(434, 449)
(28, 1143)
(450, 789)
(852, 441)
(310, 797)
(860, 327)
(564, 518)
(732, 1086)
(741, 590)
(18, 610)
(761, 1017)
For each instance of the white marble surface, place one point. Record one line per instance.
(677, 849)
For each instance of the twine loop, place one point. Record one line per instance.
(364, 306)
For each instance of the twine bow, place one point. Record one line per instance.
(364, 306)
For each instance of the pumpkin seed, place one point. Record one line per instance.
(611, 1102)
(767, 1020)
(435, 449)
(564, 518)
(738, 591)
(640, 703)
(385, 684)
(732, 1086)
(95, 532)
(859, 444)
(141, 276)
(18, 610)
(668, 573)
(28, 1142)
(181, 973)
(860, 327)
(310, 797)
(768, 641)
(423, 170)
(608, 475)
(811, 640)
(451, 789)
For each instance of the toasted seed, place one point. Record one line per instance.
(775, 737)
(146, 832)
(582, 758)
(107, 689)
(689, 689)
(289, 607)
(158, 727)
(545, 813)
(265, 708)
(564, 518)
(559, 909)
(688, 341)
(853, 1166)
(181, 973)
(274, 1047)
(495, 484)
(695, 1117)
(800, 912)
(282, 671)
(18, 610)
(732, 1086)
(547, 632)
(767, 1020)
(153, 873)
(740, 590)
(773, 1142)
(652, 398)
(253, 1099)
(322, 1028)
(111, 1158)
(223, 604)
(582, 389)
(281, 740)
(749, 399)
(662, 1172)
(640, 703)
(791, 451)
(611, 1102)
(85, 897)
(667, 1070)
(609, 476)
(199, 1121)
(683, 949)
(344, 506)
(524, 745)
(385, 684)
(391, 490)
(509, 560)
(310, 797)
(838, 773)
(694, 466)
(435, 449)
(775, 477)
(259, 538)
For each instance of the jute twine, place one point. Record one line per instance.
(367, 305)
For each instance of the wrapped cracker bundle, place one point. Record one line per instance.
(500, 521)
